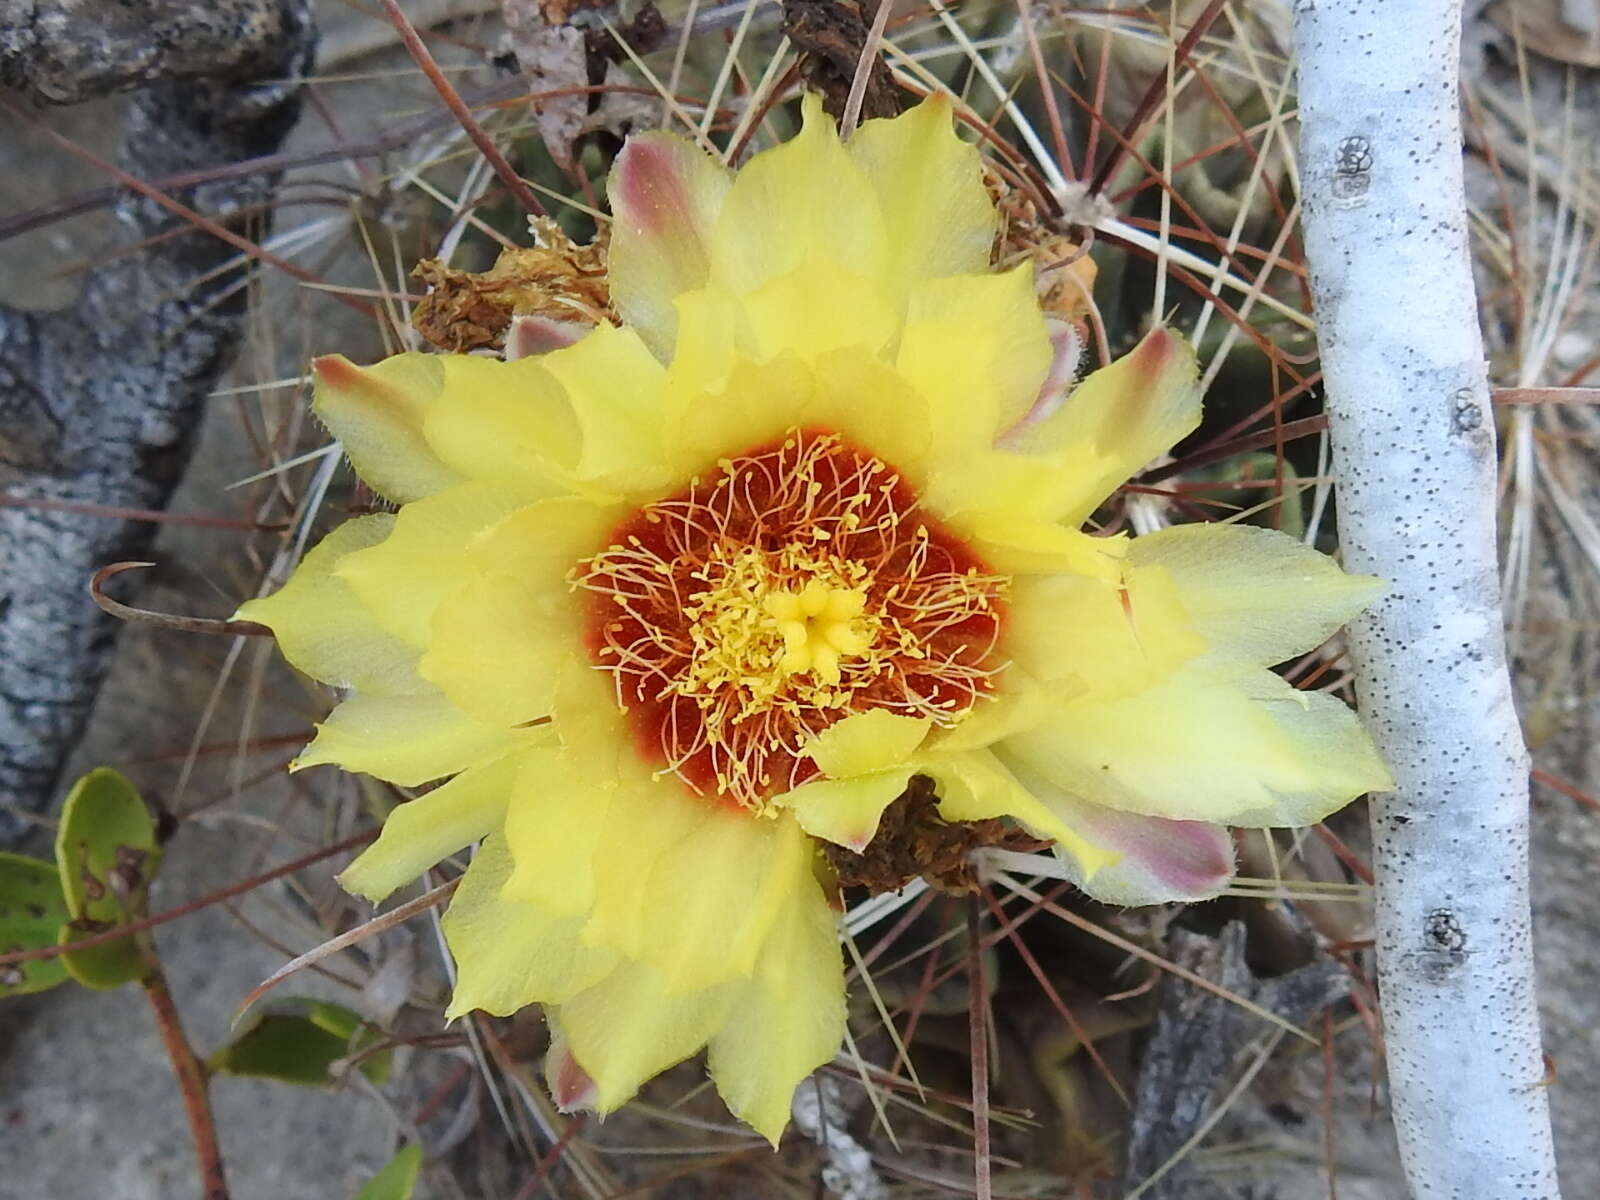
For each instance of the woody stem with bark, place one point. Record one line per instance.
(193, 1080)
(1414, 451)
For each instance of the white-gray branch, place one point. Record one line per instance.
(1414, 450)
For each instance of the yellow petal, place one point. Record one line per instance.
(700, 909)
(553, 828)
(975, 786)
(594, 731)
(628, 1028)
(845, 811)
(615, 388)
(665, 196)
(420, 833)
(401, 580)
(506, 421)
(499, 638)
(1110, 640)
(867, 741)
(977, 348)
(322, 628)
(759, 403)
(787, 1021)
(1255, 594)
(801, 202)
(1327, 736)
(1016, 545)
(405, 739)
(1209, 743)
(816, 308)
(1127, 413)
(510, 954)
(929, 185)
(377, 414)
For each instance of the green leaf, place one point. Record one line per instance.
(106, 855)
(398, 1179)
(32, 909)
(299, 1040)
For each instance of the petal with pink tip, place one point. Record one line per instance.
(529, 336)
(377, 414)
(1126, 414)
(1161, 860)
(571, 1087)
(666, 195)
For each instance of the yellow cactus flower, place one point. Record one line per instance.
(676, 602)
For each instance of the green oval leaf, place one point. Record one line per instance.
(298, 1040)
(32, 910)
(106, 855)
(398, 1179)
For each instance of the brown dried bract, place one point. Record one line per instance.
(914, 841)
(557, 278)
(830, 35)
(1065, 272)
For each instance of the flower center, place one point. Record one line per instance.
(798, 584)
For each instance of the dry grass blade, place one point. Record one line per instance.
(429, 899)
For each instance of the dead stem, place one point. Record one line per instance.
(191, 1075)
(978, 1039)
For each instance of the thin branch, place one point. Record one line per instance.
(978, 1046)
(192, 1079)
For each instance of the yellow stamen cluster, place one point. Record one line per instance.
(800, 584)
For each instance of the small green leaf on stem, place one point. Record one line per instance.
(32, 910)
(299, 1041)
(398, 1179)
(106, 856)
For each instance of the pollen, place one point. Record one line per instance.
(797, 584)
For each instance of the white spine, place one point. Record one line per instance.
(1414, 453)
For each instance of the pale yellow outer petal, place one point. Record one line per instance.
(506, 421)
(788, 1020)
(629, 1027)
(1212, 742)
(322, 628)
(377, 413)
(977, 349)
(976, 786)
(405, 739)
(804, 201)
(401, 580)
(665, 194)
(1255, 594)
(866, 741)
(1324, 731)
(499, 639)
(845, 811)
(420, 833)
(929, 185)
(1127, 413)
(510, 954)
(1109, 640)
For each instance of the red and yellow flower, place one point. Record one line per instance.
(672, 604)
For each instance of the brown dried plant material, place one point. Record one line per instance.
(557, 278)
(830, 35)
(1065, 272)
(914, 841)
